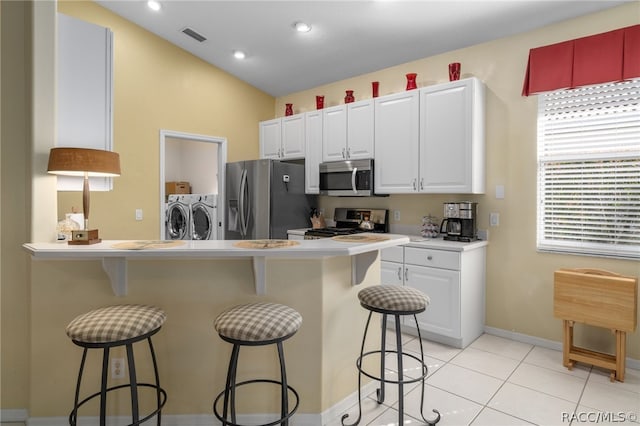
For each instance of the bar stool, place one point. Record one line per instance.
(256, 324)
(396, 301)
(109, 327)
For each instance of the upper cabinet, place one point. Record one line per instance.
(452, 144)
(313, 153)
(397, 139)
(283, 138)
(348, 131)
(85, 92)
(431, 140)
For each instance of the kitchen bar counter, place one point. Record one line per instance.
(114, 259)
(193, 283)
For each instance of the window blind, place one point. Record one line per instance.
(589, 170)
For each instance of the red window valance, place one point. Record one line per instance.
(600, 58)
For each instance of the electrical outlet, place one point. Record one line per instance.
(396, 215)
(118, 368)
(494, 219)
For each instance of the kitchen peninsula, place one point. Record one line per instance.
(195, 281)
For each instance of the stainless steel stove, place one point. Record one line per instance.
(349, 220)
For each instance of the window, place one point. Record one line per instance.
(589, 170)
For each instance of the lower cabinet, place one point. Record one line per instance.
(455, 284)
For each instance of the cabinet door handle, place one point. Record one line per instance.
(414, 184)
(399, 273)
(349, 152)
(406, 274)
(343, 153)
(421, 184)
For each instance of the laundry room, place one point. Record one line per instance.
(191, 187)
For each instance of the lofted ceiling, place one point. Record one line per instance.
(348, 38)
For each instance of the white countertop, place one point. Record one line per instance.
(212, 249)
(441, 244)
(114, 260)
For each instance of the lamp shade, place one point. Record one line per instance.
(83, 161)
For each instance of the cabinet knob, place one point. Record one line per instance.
(429, 257)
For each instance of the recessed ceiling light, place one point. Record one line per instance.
(301, 27)
(154, 5)
(239, 54)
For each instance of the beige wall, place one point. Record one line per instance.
(519, 279)
(149, 72)
(160, 86)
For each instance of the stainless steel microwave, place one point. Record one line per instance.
(348, 178)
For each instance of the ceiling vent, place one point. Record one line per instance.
(194, 34)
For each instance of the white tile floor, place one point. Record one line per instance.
(496, 381)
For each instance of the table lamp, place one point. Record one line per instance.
(87, 163)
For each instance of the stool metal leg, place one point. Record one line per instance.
(133, 382)
(284, 394)
(400, 371)
(73, 418)
(380, 390)
(358, 364)
(155, 372)
(103, 386)
(424, 373)
(230, 389)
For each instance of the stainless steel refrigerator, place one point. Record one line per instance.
(265, 198)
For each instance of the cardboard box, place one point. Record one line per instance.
(177, 188)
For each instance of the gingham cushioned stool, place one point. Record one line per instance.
(256, 324)
(106, 328)
(397, 301)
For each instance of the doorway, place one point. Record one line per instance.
(197, 159)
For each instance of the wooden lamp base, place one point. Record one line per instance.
(84, 237)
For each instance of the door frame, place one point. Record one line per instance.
(222, 161)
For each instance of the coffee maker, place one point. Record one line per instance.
(459, 223)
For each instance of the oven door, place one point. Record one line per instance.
(347, 178)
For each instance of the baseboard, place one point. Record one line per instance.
(299, 419)
(8, 416)
(545, 343)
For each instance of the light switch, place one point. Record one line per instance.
(138, 214)
(500, 192)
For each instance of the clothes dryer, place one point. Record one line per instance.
(204, 217)
(178, 217)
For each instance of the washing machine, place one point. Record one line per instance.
(178, 217)
(204, 217)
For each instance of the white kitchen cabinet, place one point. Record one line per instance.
(452, 142)
(454, 282)
(84, 103)
(283, 138)
(348, 131)
(334, 133)
(431, 140)
(397, 125)
(360, 127)
(313, 151)
(270, 138)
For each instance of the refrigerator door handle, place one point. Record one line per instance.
(242, 198)
(353, 180)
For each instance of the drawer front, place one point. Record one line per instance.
(432, 258)
(393, 254)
